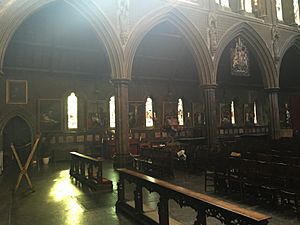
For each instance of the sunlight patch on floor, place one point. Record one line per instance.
(63, 191)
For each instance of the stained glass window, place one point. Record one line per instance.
(180, 112)
(255, 113)
(224, 3)
(72, 111)
(112, 112)
(279, 10)
(296, 11)
(149, 112)
(232, 113)
(247, 5)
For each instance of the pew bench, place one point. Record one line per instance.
(155, 161)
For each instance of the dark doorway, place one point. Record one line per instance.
(18, 132)
(296, 112)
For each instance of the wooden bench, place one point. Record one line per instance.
(88, 171)
(204, 205)
(155, 161)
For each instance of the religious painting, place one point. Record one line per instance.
(225, 114)
(285, 116)
(240, 59)
(198, 114)
(170, 113)
(97, 114)
(50, 115)
(136, 114)
(16, 91)
(249, 114)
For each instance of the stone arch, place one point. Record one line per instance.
(15, 13)
(195, 41)
(29, 120)
(293, 40)
(259, 48)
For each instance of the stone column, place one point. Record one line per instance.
(274, 113)
(122, 158)
(210, 114)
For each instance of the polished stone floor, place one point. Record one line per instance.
(57, 200)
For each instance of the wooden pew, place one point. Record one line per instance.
(204, 205)
(82, 169)
(155, 161)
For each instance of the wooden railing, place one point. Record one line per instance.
(88, 170)
(204, 205)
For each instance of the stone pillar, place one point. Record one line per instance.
(122, 158)
(274, 113)
(210, 114)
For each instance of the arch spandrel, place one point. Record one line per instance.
(259, 49)
(194, 40)
(18, 11)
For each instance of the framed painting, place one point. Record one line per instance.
(136, 114)
(198, 114)
(50, 115)
(16, 91)
(248, 114)
(97, 114)
(170, 114)
(225, 114)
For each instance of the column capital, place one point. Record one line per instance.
(208, 86)
(120, 81)
(272, 89)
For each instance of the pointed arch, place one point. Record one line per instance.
(29, 120)
(293, 40)
(195, 42)
(18, 11)
(259, 49)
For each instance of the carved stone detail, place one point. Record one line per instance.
(212, 33)
(275, 40)
(123, 19)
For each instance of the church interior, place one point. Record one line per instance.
(149, 112)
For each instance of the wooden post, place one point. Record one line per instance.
(201, 218)
(138, 198)
(163, 211)
(99, 171)
(121, 190)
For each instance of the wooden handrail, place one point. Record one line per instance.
(205, 205)
(89, 158)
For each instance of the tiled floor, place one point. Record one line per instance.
(58, 201)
